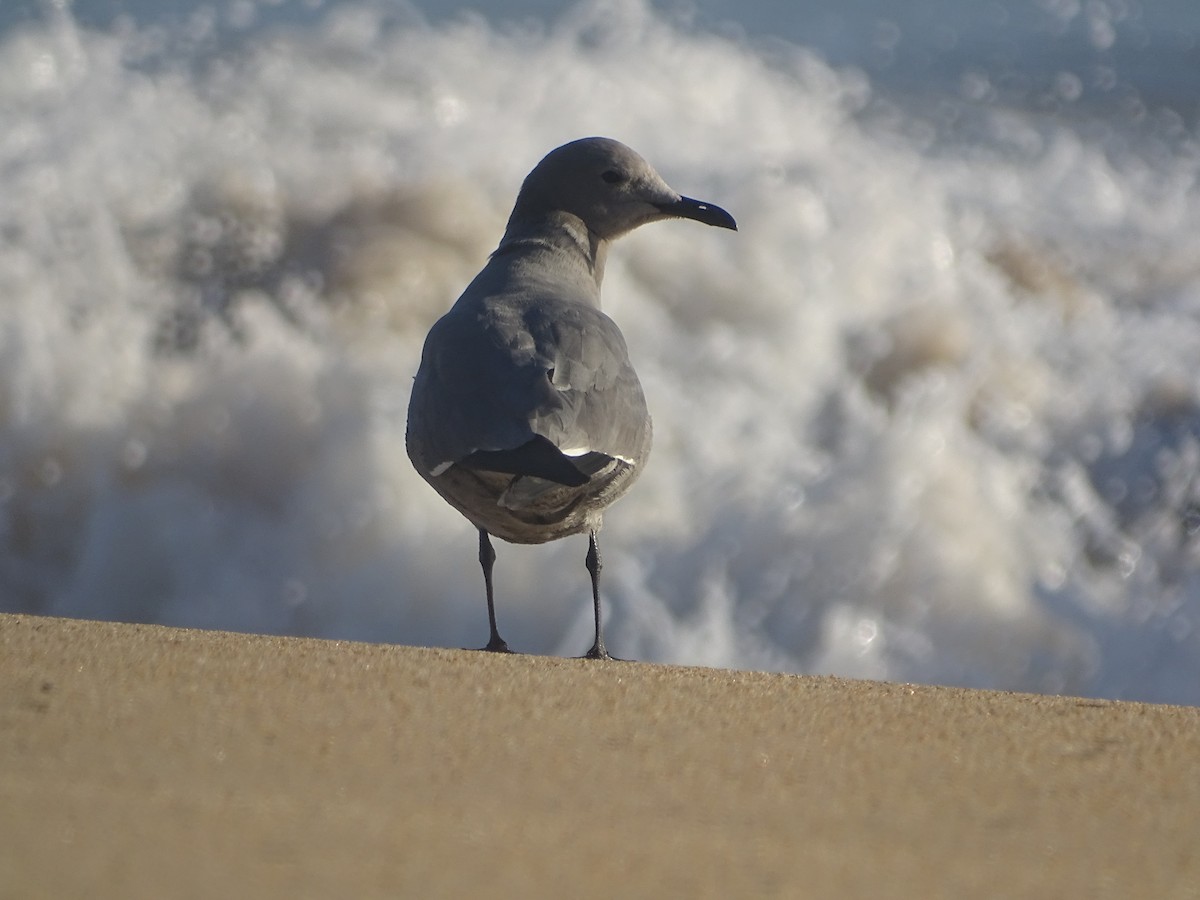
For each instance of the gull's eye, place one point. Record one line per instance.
(612, 176)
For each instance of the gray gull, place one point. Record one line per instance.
(526, 414)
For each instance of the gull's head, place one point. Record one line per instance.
(609, 187)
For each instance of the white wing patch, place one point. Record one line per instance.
(580, 451)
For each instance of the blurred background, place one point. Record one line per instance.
(932, 415)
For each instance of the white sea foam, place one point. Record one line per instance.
(930, 415)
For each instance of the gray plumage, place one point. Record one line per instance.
(526, 414)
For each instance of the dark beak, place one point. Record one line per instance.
(708, 213)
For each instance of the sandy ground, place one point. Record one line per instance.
(139, 761)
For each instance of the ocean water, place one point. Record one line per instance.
(932, 415)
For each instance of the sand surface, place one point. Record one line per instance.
(140, 761)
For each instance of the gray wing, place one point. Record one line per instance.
(495, 377)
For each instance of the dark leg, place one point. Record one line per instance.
(594, 564)
(487, 556)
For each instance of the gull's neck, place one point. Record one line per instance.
(558, 234)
